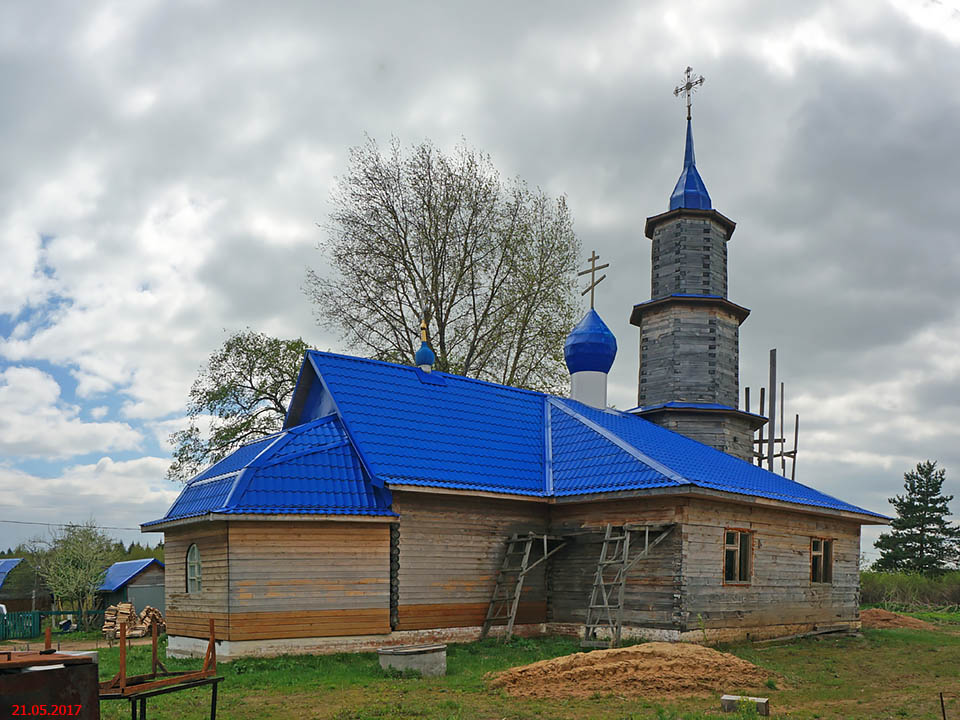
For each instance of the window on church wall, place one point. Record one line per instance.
(194, 580)
(737, 556)
(821, 560)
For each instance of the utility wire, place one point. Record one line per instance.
(49, 524)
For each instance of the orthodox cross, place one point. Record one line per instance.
(592, 272)
(691, 83)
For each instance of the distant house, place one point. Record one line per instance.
(136, 581)
(6, 565)
(18, 583)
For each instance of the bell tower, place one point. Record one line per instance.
(689, 377)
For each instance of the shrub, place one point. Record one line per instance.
(910, 590)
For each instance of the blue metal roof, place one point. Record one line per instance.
(120, 573)
(690, 192)
(590, 345)
(6, 565)
(396, 425)
(308, 469)
(680, 405)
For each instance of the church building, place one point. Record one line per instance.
(401, 504)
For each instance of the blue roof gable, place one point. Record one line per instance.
(396, 425)
(120, 573)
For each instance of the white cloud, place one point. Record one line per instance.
(116, 494)
(35, 423)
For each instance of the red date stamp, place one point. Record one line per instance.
(45, 710)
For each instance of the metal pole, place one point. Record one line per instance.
(773, 408)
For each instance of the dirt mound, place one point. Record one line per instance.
(648, 670)
(875, 618)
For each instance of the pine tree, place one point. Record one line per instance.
(921, 539)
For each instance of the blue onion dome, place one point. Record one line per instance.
(590, 346)
(690, 192)
(424, 356)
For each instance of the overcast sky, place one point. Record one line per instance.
(164, 166)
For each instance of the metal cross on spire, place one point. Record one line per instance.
(691, 83)
(592, 272)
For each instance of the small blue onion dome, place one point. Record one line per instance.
(590, 346)
(424, 356)
(690, 192)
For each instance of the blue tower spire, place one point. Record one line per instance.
(690, 192)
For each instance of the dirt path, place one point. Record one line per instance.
(73, 645)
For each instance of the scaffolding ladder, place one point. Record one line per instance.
(605, 610)
(516, 564)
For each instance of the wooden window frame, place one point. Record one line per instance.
(194, 579)
(825, 553)
(738, 548)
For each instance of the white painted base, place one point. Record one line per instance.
(589, 387)
(179, 646)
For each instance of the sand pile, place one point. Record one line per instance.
(648, 670)
(875, 618)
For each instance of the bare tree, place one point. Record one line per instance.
(490, 265)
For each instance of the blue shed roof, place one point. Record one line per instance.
(6, 565)
(393, 424)
(120, 573)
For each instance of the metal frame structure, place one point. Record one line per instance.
(160, 680)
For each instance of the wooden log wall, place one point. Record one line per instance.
(450, 549)
(308, 579)
(780, 591)
(651, 597)
(284, 579)
(188, 613)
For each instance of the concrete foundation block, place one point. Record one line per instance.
(731, 703)
(428, 660)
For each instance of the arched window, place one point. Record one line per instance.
(193, 570)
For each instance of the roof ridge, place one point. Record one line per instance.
(627, 447)
(453, 376)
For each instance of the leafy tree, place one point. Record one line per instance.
(72, 563)
(243, 391)
(490, 265)
(921, 539)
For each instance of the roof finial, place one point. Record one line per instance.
(424, 358)
(592, 272)
(689, 86)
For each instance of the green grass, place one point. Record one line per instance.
(884, 674)
(85, 635)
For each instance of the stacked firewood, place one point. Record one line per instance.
(137, 625)
(150, 616)
(122, 613)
